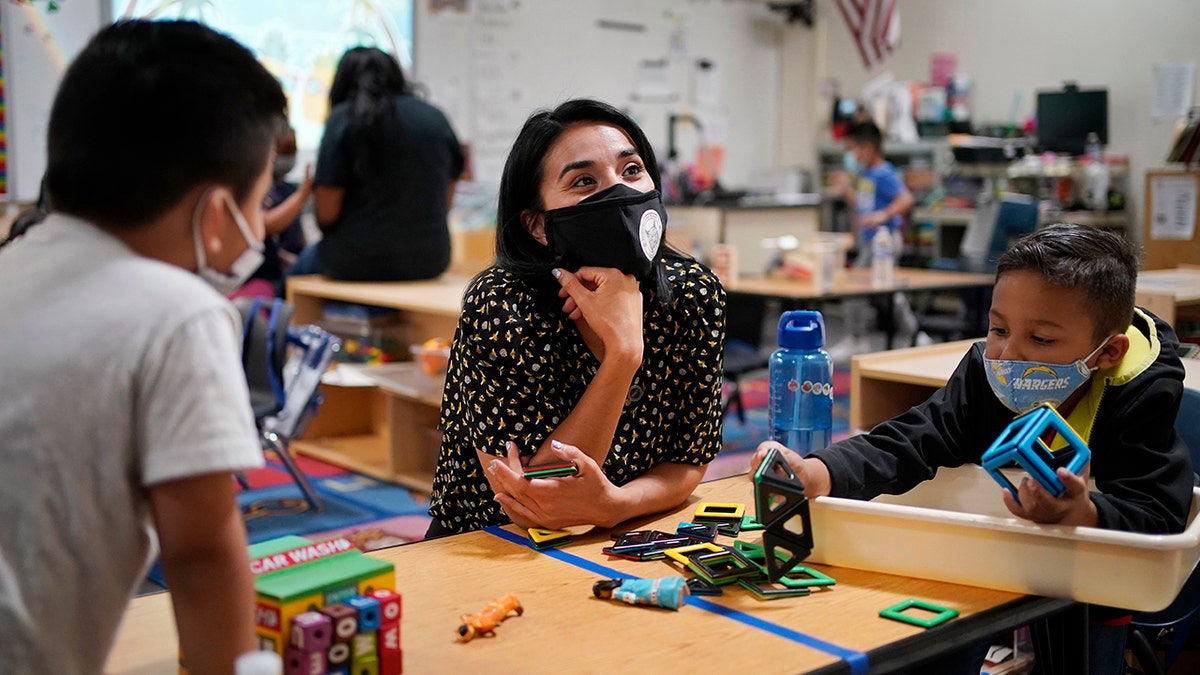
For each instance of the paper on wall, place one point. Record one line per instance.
(1173, 200)
(1174, 87)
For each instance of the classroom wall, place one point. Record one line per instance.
(1014, 48)
(490, 66)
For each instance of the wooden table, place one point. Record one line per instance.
(565, 629)
(856, 283)
(387, 429)
(1166, 292)
(885, 384)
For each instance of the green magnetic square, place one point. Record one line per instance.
(715, 582)
(804, 577)
(750, 523)
(896, 613)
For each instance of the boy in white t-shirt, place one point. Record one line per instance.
(125, 407)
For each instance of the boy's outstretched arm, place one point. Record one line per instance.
(207, 566)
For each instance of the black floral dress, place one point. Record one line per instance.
(517, 369)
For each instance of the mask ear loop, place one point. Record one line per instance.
(1094, 352)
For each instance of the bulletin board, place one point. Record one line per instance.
(490, 63)
(1171, 222)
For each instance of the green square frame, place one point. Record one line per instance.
(896, 613)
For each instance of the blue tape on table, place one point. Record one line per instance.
(855, 659)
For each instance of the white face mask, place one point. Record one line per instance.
(246, 263)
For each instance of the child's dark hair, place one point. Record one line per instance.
(150, 110)
(1101, 264)
(865, 132)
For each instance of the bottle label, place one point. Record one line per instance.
(810, 387)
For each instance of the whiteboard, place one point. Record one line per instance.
(39, 42)
(490, 63)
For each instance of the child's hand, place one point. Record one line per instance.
(1075, 507)
(810, 470)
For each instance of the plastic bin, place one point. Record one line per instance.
(955, 528)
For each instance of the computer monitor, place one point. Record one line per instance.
(1065, 118)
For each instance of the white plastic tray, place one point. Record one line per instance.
(955, 528)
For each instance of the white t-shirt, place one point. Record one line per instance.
(117, 372)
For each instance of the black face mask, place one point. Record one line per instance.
(616, 227)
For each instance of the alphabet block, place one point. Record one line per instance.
(345, 621)
(368, 612)
(390, 608)
(391, 659)
(299, 662)
(311, 632)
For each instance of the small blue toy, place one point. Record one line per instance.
(1021, 442)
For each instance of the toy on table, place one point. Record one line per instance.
(1021, 442)
(485, 622)
(543, 538)
(668, 592)
(898, 612)
(783, 509)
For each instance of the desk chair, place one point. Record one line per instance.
(283, 364)
(1180, 616)
(744, 349)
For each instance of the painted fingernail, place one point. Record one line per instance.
(492, 466)
(556, 272)
(556, 445)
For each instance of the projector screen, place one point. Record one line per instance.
(299, 41)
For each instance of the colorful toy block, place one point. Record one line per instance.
(1021, 442)
(311, 632)
(345, 621)
(716, 512)
(542, 538)
(391, 658)
(368, 612)
(390, 609)
(300, 662)
(783, 508)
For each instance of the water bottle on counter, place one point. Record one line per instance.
(801, 383)
(883, 257)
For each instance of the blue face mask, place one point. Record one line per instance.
(1024, 385)
(850, 162)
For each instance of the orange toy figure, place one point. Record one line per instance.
(485, 622)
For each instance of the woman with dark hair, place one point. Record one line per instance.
(385, 177)
(590, 341)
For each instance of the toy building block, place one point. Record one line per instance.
(940, 614)
(788, 541)
(1021, 442)
(368, 612)
(391, 658)
(714, 512)
(311, 632)
(345, 621)
(698, 531)
(338, 656)
(719, 568)
(777, 490)
(390, 608)
(765, 590)
(681, 554)
(300, 662)
(698, 586)
(542, 538)
(551, 470)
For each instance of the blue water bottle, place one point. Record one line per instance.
(801, 375)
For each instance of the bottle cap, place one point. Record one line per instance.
(801, 329)
(258, 663)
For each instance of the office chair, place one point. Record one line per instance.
(744, 351)
(283, 364)
(1180, 615)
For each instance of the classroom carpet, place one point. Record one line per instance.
(374, 513)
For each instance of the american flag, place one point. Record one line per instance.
(875, 25)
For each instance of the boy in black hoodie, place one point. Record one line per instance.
(1062, 328)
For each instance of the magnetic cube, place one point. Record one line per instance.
(299, 662)
(311, 632)
(390, 608)
(1021, 442)
(368, 612)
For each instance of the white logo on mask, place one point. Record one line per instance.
(650, 231)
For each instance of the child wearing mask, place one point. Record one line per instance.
(125, 405)
(281, 217)
(877, 198)
(589, 341)
(1063, 330)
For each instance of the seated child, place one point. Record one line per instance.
(125, 404)
(1063, 301)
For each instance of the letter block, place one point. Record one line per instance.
(390, 607)
(299, 662)
(363, 647)
(368, 612)
(345, 621)
(339, 656)
(391, 659)
(311, 632)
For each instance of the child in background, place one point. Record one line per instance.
(125, 405)
(1063, 316)
(285, 234)
(877, 198)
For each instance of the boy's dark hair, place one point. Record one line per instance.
(865, 132)
(148, 111)
(1101, 264)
